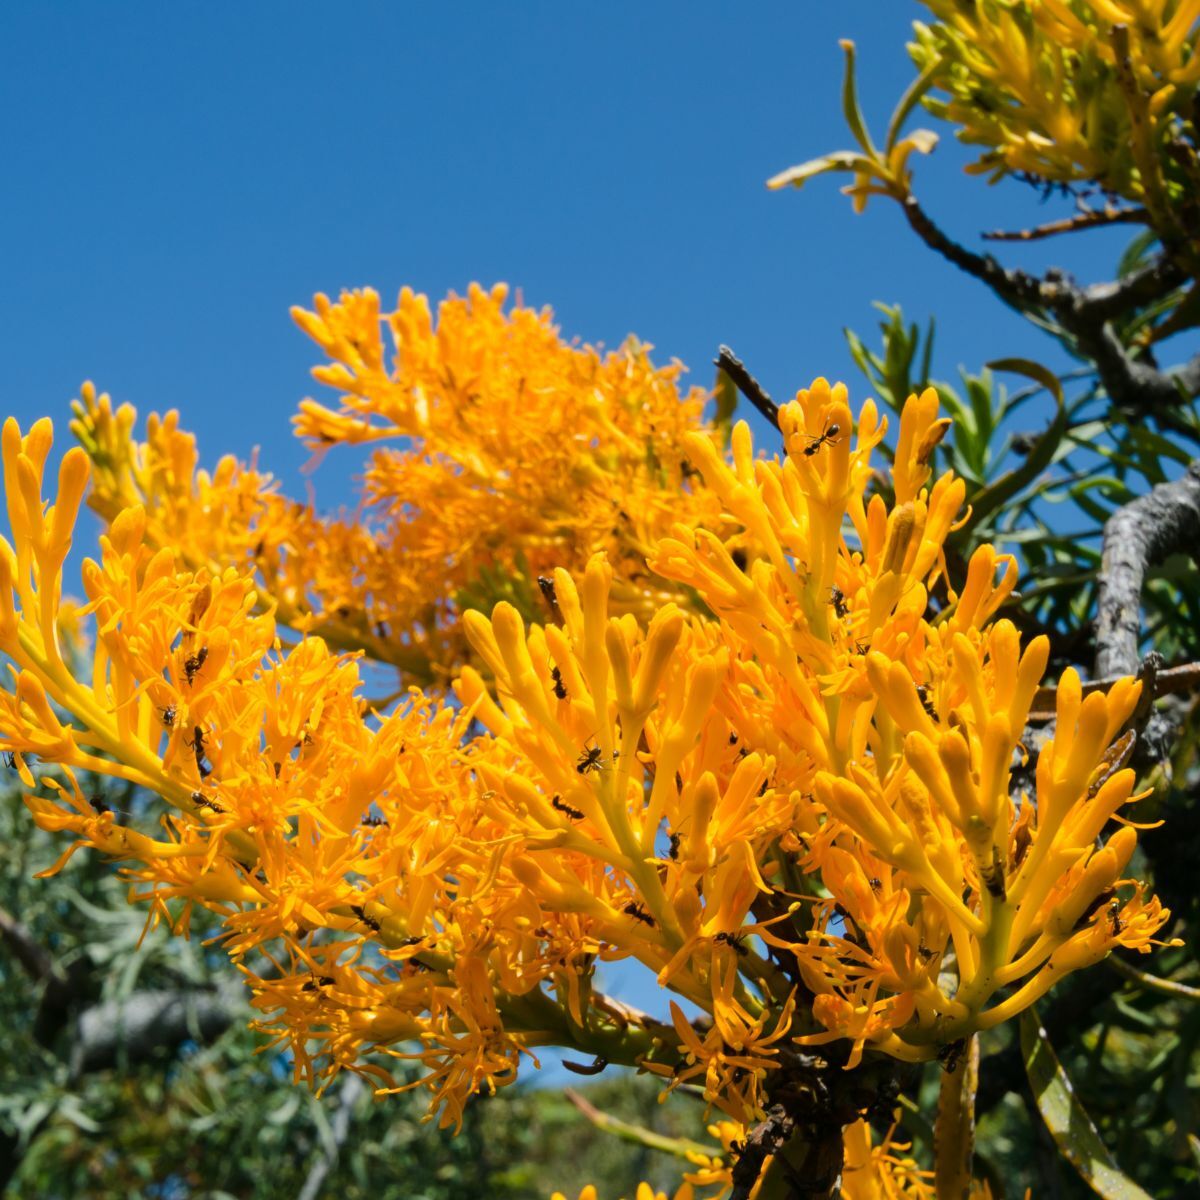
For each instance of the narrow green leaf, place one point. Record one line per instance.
(912, 97)
(839, 160)
(725, 394)
(678, 1147)
(850, 108)
(1066, 1118)
(986, 501)
(1033, 370)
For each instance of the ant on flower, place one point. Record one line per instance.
(559, 690)
(735, 941)
(560, 805)
(202, 801)
(591, 758)
(638, 912)
(829, 436)
(365, 917)
(193, 663)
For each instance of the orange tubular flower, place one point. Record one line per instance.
(903, 722)
(800, 783)
(509, 452)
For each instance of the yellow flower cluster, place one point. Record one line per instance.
(804, 812)
(1072, 90)
(509, 452)
(873, 1170)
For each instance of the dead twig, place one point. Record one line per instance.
(745, 383)
(1168, 681)
(1083, 220)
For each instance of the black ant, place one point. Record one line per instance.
(559, 690)
(827, 438)
(926, 700)
(735, 941)
(366, 918)
(590, 759)
(1092, 909)
(202, 801)
(838, 599)
(197, 745)
(560, 805)
(98, 803)
(925, 952)
(316, 982)
(1114, 911)
(875, 884)
(674, 851)
(638, 912)
(169, 714)
(733, 737)
(193, 663)
(949, 1055)
(548, 592)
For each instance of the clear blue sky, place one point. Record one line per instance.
(177, 175)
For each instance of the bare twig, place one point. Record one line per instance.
(747, 384)
(1083, 220)
(1083, 313)
(1168, 681)
(1136, 537)
(1153, 983)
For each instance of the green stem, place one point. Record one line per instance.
(954, 1133)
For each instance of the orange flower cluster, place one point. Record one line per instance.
(807, 812)
(505, 452)
(874, 1170)
(1071, 90)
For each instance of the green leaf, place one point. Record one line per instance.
(850, 107)
(1066, 1118)
(1033, 370)
(839, 160)
(726, 396)
(988, 499)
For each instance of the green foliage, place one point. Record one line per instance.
(1046, 492)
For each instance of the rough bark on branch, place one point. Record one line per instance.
(745, 383)
(1137, 537)
(133, 1030)
(1084, 312)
